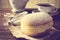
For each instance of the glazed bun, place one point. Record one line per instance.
(33, 24)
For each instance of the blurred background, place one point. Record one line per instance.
(31, 3)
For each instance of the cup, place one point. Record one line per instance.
(18, 5)
(47, 8)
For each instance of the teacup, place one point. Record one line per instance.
(18, 5)
(45, 7)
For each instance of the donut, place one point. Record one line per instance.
(35, 23)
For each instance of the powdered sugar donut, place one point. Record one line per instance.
(33, 24)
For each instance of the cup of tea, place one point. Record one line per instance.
(47, 8)
(18, 5)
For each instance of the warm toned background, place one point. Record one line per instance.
(31, 3)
